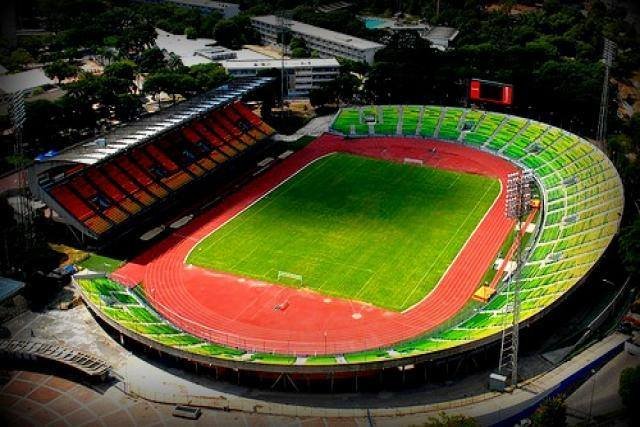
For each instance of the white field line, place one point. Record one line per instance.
(484, 217)
(271, 190)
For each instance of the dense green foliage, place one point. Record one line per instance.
(356, 228)
(629, 389)
(551, 413)
(444, 420)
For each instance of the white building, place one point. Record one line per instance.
(327, 43)
(200, 50)
(302, 74)
(228, 10)
(441, 37)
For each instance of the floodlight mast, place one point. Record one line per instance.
(518, 204)
(283, 20)
(608, 55)
(18, 116)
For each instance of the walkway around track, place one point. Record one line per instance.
(239, 312)
(490, 408)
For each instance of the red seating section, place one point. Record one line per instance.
(104, 195)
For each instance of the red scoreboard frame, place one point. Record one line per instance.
(491, 92)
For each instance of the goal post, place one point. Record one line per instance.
(289, 277)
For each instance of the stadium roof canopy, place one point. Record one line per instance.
(100, 148)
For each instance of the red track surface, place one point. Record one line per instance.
(240, 312)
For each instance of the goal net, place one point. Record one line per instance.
(288, 277)
(410, 161)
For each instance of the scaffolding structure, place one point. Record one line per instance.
(518, 205)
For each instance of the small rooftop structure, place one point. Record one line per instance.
(441, 37)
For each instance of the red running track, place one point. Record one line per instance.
(240, 312)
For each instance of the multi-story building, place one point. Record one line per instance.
(327, 43)
(302, 74)
(228, 10)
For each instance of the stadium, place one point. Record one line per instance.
(383, 245)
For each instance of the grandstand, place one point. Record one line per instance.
(582, 201)
(100, 186)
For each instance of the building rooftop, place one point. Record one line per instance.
(322, 33)
(447, 33)
(194, 51)
(99, 148)
(10, 83)
(276, 63)
(207, 3)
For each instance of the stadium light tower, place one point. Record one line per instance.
(284, 23)
(518, 204)
(608, 55)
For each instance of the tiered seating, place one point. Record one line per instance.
(129, 309)
(583, 203)
(581, 212)
(251, 118)
(389, 123)
(450, 125)
(410, 117)
(484, 129)
(430, 121)
(109, 193)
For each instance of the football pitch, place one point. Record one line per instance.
(353, 227)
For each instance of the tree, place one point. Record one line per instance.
(170, 82)
(551, 413)
(444, 420)
(323, 95)
(127, 107)
(208, 76)
(235, 32)
(629, 388)
(124, 69)
(298, 48)
(630, 247)
(299, 53)
(61, 70)
(44, 124)
(151, 60)
(191, 33)
(18, 59)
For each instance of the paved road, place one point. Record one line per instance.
(604, 386)
(34, 399)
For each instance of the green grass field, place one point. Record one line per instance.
(357, 228)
